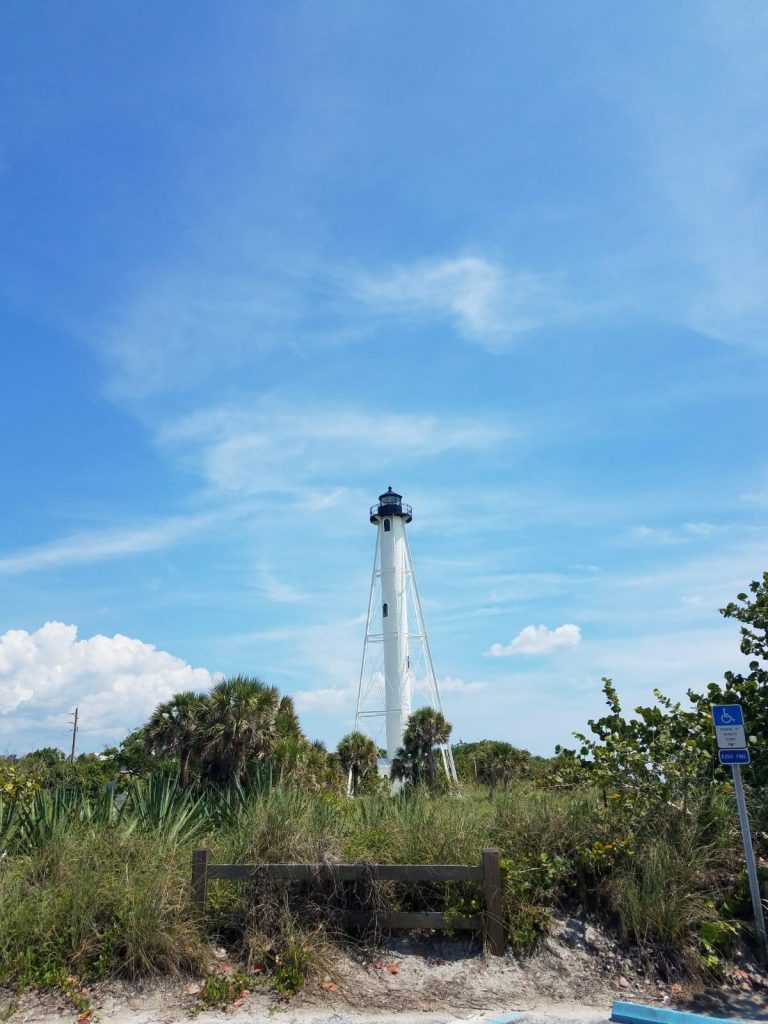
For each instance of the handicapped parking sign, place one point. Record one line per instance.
(729, 726)
(728, 720)
(727, 714)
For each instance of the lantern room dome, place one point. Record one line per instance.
(391, 504)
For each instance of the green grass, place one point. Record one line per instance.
(93, 902)
(89, 890)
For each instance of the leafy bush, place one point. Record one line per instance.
(98, 901)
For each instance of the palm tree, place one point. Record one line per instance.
(238, 726)
(357, 754)
(498, 762)
(426, 729)
(287, 721)
(173, 728)
(407, 767)
(301, 762)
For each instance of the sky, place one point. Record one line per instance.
(261, 261)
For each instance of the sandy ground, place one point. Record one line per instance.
(575, 976)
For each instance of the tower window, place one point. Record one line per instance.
(387, 526)
(385, 610)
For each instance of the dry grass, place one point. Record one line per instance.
(104, 893)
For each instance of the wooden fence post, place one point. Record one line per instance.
(494, 909)
(200, 860)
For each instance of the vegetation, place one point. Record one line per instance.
(357, 755)
(636, 825)
(172, 729)
(416, 761)
(494, 763)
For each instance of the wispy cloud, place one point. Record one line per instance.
(704, 153)
(666, 536)
(449, 684)
(80, 549)
(533, 640)
(755, 499)
(326, 700)
(277, 590)
(486, 301)
(282, 449)
(183, 326)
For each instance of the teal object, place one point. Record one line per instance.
(634, 1013)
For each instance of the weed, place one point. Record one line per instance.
(221, 989)
(90, 889)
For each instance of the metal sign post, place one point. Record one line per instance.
(732, 749)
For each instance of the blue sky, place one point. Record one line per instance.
(261, 261)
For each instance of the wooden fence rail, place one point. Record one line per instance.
(488, 872)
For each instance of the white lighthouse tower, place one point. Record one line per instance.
(396, 674)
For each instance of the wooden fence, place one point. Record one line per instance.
(488, 872)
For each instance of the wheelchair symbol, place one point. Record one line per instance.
(726, 718)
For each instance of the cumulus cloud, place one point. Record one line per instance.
(116, 681)
(538, 640)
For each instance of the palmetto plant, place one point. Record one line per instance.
(287, 721)
(174, 728)
(357, 754)
(238, 725)
(425, 730)
(163, 808)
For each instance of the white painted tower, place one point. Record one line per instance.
(396, 674)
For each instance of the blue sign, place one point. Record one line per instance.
(727, 714)
(733, 756)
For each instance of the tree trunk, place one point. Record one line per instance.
(184, 757)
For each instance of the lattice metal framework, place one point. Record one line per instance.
(396, 672)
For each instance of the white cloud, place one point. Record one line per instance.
(276, 590)
(116, 681)
(757, 499)
(333, 700)
(652, 535)
(538, 640)
(486, 301)
(330, 699)
(283, 449)
(80, 549)
(185, 324)
(669, 536)
(705, 154)
(451, 685)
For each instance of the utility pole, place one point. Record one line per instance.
(74, 737)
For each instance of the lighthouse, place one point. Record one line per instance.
(396, 673)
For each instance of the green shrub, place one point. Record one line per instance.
(91, 903)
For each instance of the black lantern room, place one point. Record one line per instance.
(391, 504)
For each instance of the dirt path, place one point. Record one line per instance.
(576, 975)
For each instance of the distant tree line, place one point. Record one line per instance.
(244, 726)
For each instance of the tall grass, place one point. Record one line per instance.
(95, 886)
(94, 902)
